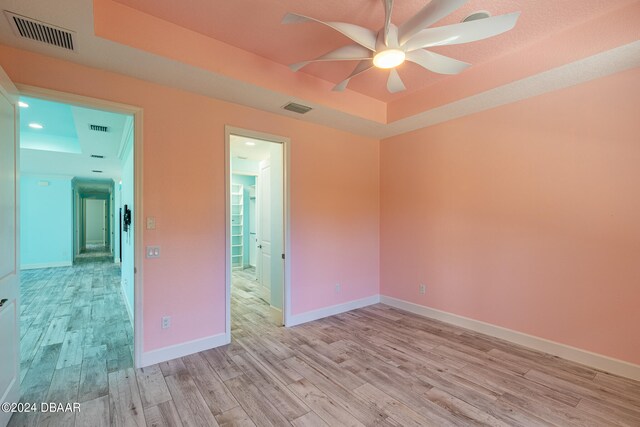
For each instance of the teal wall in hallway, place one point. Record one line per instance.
(45, 221)
(244, 166)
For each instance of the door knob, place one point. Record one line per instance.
(2, 301)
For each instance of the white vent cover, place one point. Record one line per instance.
(297, 108)
(41, 31)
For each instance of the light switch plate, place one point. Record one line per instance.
(153, 251)
(151, 223)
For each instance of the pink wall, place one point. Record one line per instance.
(334, 198)
(524, 216)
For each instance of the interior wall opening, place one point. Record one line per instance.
(257, 228)
(77, 296)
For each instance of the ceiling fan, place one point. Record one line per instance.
(392, 45)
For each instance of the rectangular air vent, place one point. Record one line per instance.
(41, 31)
(297, 108)
(99, 128)
(97, 156)
(96, 171)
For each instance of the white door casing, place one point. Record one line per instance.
(9, 273)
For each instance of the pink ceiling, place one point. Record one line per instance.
(254, 26)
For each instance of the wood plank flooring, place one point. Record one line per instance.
(374, 366)
(75, 331)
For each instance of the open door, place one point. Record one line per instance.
(9, 272)
(271, 232)
(264, 230)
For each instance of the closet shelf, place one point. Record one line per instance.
(237, 221)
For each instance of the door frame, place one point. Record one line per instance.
(9, 91)
(138, 256)
(79, 212)
(286, 147)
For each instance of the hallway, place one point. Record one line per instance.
(94, 251)
(75, 330)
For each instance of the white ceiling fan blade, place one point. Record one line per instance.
(464, 32)
(436, 63)
(351, 52)
(388, 8)
(360, 68)
(360, 35)
(394, 83)
(428, 15)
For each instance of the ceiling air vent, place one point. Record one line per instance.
(96, 171)
(99, 128)
(41, 31)
(297, 108)
(97, 156)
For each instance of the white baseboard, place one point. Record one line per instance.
(594, 360)
(184, 349)
(127, 303)
(309, 316)
(46, 265)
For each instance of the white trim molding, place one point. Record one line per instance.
(127, 303)
(594, 360)
(46, 265)
(309, 316)
(183, 349)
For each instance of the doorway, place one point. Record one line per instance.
(78, 299)
(96, 228)
(257, 225)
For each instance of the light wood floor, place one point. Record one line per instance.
(373, 366)
(75, 330)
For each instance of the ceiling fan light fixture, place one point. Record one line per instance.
(389, 58)
(392, 44)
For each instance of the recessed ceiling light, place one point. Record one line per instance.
(249, 143)
(389, 58)
(35, 126)
(23, 104)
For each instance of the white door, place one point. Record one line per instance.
(264, 229)
(9, 274)
(277, 232)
